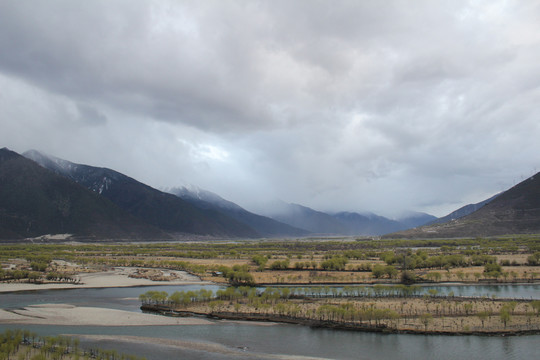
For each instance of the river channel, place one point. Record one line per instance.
(245, 340)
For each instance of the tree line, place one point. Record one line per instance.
(27, 345)
(301, 304)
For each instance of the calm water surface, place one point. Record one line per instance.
(258, 341)
(126, 298)
(510, 291)
(112, 298)
(295, 340)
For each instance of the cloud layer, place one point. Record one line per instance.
(342, 105)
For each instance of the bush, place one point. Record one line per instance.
(492, 267)
(335, 263)
(260, 261)
(280, 265)
(408, 277)
(39, 266)
(380, 271)
(241, 278)
(364, 267)
(534, 259)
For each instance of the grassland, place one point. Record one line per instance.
(295, 262)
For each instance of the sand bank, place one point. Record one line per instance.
(64, 314)
(206, 347)
(118, 277)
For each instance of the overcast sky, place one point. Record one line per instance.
(378, 106)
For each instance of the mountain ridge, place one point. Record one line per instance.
(199, 212)
(265, 226)
(35, 201)
(514, 211)
(165, 211)
(462, 211)
(341, 223)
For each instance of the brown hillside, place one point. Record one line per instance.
(516, 211)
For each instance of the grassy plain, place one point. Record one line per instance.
(301, 261)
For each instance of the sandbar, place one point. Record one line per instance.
(117, 277)
(206, 347)
(65, 314)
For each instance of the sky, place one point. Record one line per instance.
(337, 105)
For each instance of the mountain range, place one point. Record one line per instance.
(192, 210)
(341, 223)
(42, 194)
(162, 210)
(265, 226)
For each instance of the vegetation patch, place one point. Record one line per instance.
(385, 308)
(24, 344)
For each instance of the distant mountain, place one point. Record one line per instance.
(342, 223)
(414, 219)
(265, 226)
(461, 212)
(515, 211)
(165, 211)
(367, 224)
(35, 201)
(306, 218)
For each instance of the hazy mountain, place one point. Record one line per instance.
(342, 223)
(163, 210)
(204, 197)
(413, 219)
(305, 218)
(367, 224)
(461, 212)
(265, 226)
(515, 211)
(35, 201)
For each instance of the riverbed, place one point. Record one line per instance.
(232, 340)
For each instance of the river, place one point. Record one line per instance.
(232, 340)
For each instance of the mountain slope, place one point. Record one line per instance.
(462, 211)
(265, 226)
(515, 211)
(35, 201)
(163, 210)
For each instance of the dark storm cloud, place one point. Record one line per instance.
(209, 65)
(118, 53)
(343, 105)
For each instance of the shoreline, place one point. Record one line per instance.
(117, 277)
(71, 315)
(131, 282)
(328, 324)
(422, 284)
(202, 347)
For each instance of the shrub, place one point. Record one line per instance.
(408, 277)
